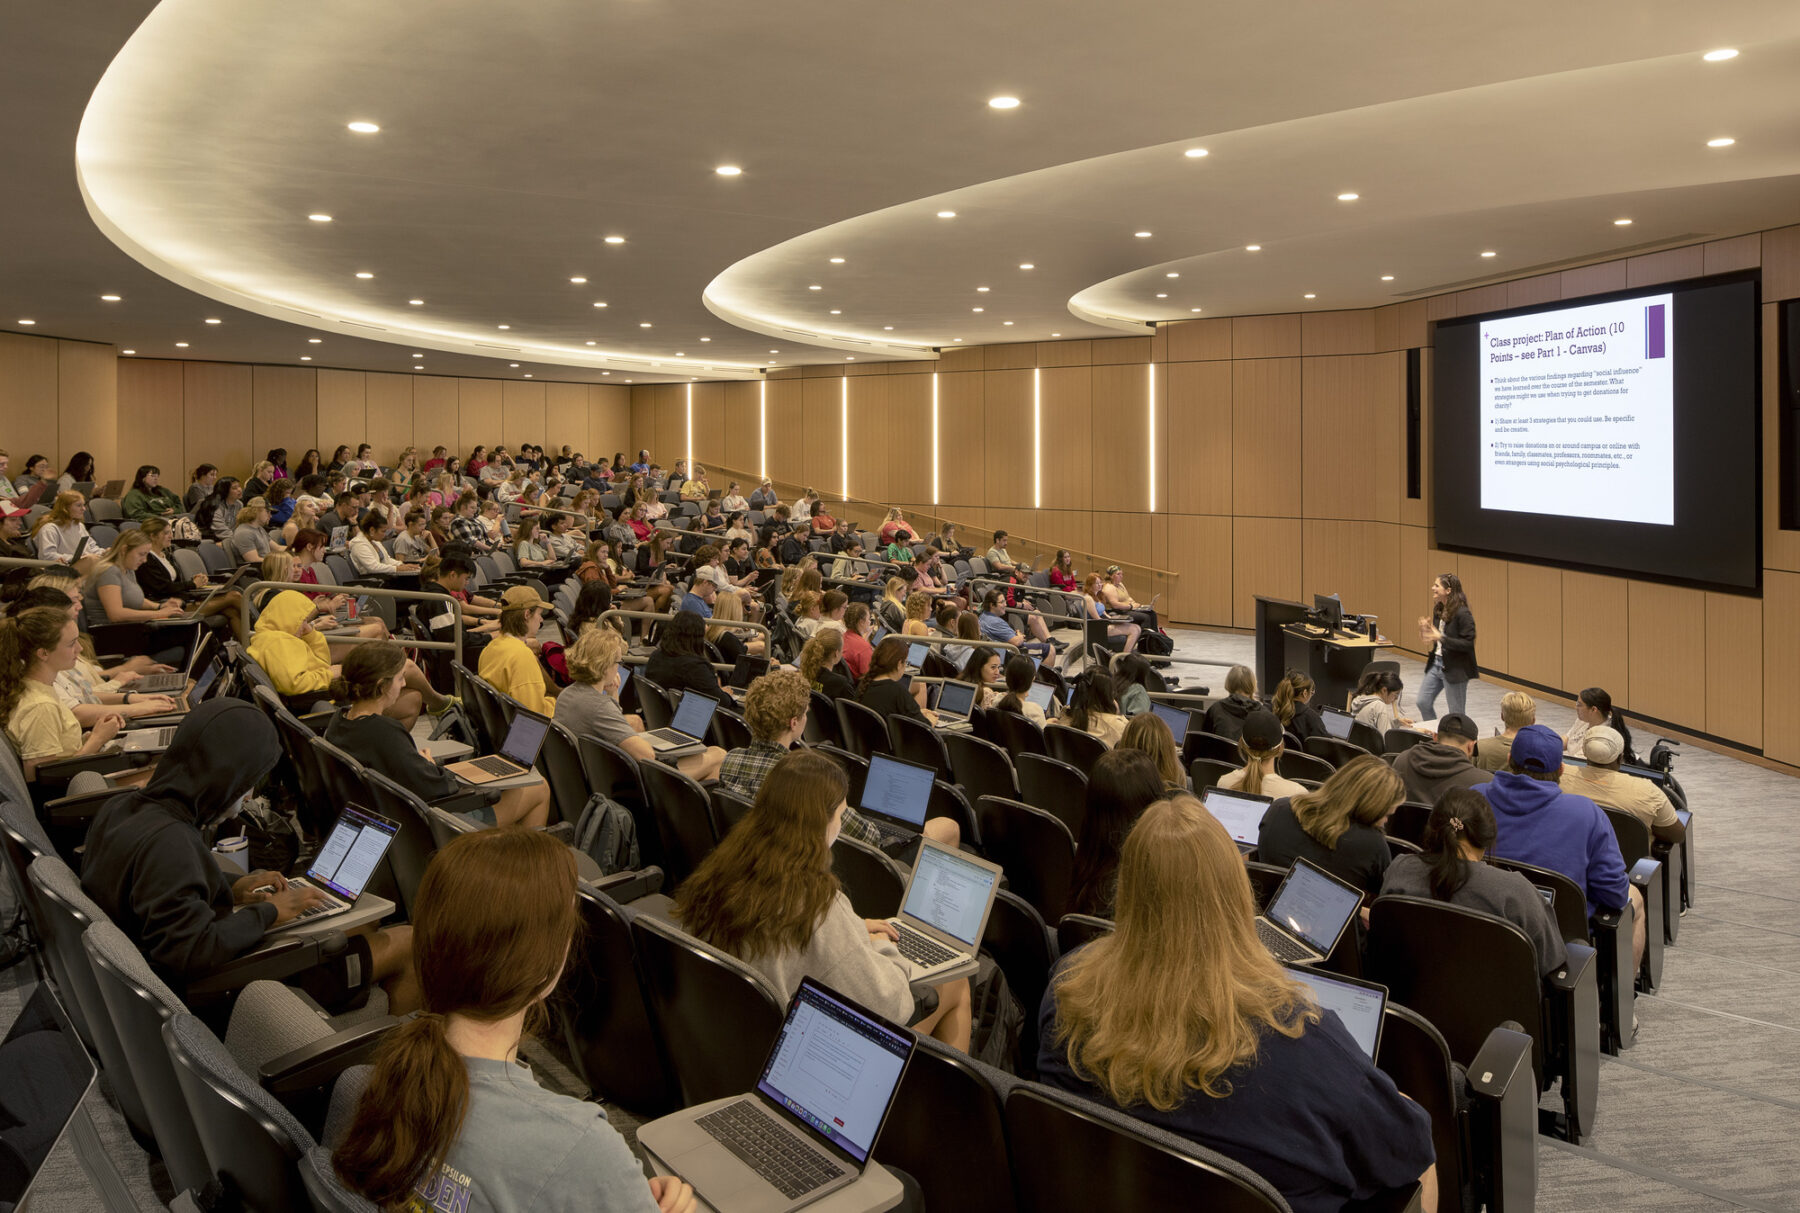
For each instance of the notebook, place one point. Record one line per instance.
(1177, 720)
(810, 1125)
(954, 703)
(1308, 914)
(945, 911)
(518, 753)
(1337, 723)
(343, 866)
(1239, 812)
(687, 729)
(50, 1076)
(895, 797)
(1361, 1006)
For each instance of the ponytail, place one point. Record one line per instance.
(1287, 696)
(20, 638)
(1617, 723)
(1253, 760)
(410, 1114)
(1460, 814)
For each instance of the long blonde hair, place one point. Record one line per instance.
(114, 556)
(1203, 987)
(1363, 791)
(1148, 732)
(1253, 762)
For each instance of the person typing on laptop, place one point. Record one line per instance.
(1216, 1041)
(448, 1117)
(147, 864)
(589, 705)
(1337, 827)
(767, 895)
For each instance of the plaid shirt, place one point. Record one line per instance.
(470, 533)
(745, 768)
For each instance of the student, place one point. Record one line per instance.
(450, 1117)
(880, 689)
(509, 663)
(1120, 602)
(1116, 628)
(1517, 709)
(733, 502)
(1149, 735)
(1062, 573)
(1339, 826)
(205, 476)
(767, 895)
(61, 536)
(996, 626)
(1449, 633)
(415, 542)
(112, 593)
(679, 661)
(310, 465)
(147, 498)
(250, 538)
(858, 627)
(217, 513)
(147, 862)
(1260, 745)
(13, 544)
(896, 527)
(983, 669)
(371, 687)
(80, 470)
(1131, 676)
(1458, 835)
(1092, 708)
(36, 645)
(466, 529)
(819, 666)
(589, 705)
(1020, 673)
(1593, 707)
(775, 709)
(1216, 1041)
(918, 610)
(366, 554)
(1431, 768)
(1292, 706)
(1226, 717)
(1373, 704)
(1602, 782)
(1122, 784)
(297, 659)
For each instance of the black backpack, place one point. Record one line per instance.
(607, 832)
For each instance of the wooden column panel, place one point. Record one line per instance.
(868, 436)
(786, 431)
(87, 406)
(1200, 550)
(342, 417)
(1266, 451)
(1485, 582)
(908, 446)
(216, 416)
(436, 417)
(1666, 638)
(565, 418)
(521, 413)
(284, 411)
(668, 404)
(643, 422)
(743, 413)
(1121, 445)
(28, 400)
(1067, 399)
(609, 422)
(709, 424)
(1781, 666)
(1359, 562)
(822, 428)
(1734, 667)
(1265, 559)
(1199, 451)
(1535, 623)
(962, 440)
(1595, 652)
(1007, 433)
(151, 424)
(477, 415)
(388, 407)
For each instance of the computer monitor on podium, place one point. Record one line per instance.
(1330, 610)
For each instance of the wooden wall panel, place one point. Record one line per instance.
(868, 433)
(709, 424)
(1265, 559)
(1121, 446)
(1009, 357)
(823, 402)
(1594, 280)
(908, 445)
(1595, 653)
(1666, 635)
(1350, 332)
(786, 432)
(28, 400)
(1781, 263)
(1359, 562)
(1486, 582)
(1007, 439)
(388, 407)
(1265, 437)
(668, 423)
(1349, 440)
(1545, 288)
(477, 414)
(216, 415)
(1072, 529)
(521, 413)
(1128, 538)
(436, 416)
(1066, 396)
(1200, 550)
(151, 424)
(643, 423)
(1734, 253)
(962, 440)
(609, 422)
(1415, 571)
(1265, 336)
(1534, 618)
(743, 416)
(284, 411)
(1670, 265)
(565, 418)
(1122, 351)
(1781, 666)
(1065, 353)
(1198, 340)
(1734, 668)
(87, 407)
(342, 418)
(1200, 437)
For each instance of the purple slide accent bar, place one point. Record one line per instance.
(1653, 330)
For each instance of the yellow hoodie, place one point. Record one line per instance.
(296, 664)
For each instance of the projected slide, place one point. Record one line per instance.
(1578, 412)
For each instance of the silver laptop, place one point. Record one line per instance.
(343, 866)
(205, 685)
(945, 911)
(1308, 914)
(895, 797)
(49, 1076)
(1177, 719)
(147, 741)
(1041, 693)
(162, 684)
(686, 733)
(954, 703)
(1337, 723)
(916, 652)
(518, 754)
(1239, 812)
(809, 1127)
(1361, 1006)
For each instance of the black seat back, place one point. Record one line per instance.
(613, 773)
(1408, 821)
(728, 808)
(559, 761)
(981, 767)
(605, 1017)
(870, 879)
(1367, 738)
(862, 728)
(1018, 735)
(413, 845)
(945, 1098)
(683, 819)
(916, 741)
(1201, 744)
(1034, 848)
(1398, 741)
(1296, 764)
(1336, 750)
(947, 800)
(654, 703)
(1206, 772)
(1021, 945)
(1076, 929)
(1568, 902)
(1415, 1055)
(822, 722)
(1265, 878)
(1080, 750)
(1054, 786)
(716, 1016)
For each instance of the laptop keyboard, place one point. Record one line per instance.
(156, 683)
(923, 950)
(493, 764)
(891, 836)
(769, 1150)
(328, 906)
(1281, 946)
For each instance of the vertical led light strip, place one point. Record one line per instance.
(1152, 477)
(934, 438)
(762, 429)
(1037, 441)
(690, 429)
(844, 433)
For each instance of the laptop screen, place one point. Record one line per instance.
(1337, 724)
(624, 676)
(950, 892)
(352, 849)
(203, 684)
(901, 790)
(956, 698)
(1041, 693)
(1239, 812)
(1313, 906)
(748, 669)
(49, 1075)
(525, 738)
(1359, 1005)
(915, 653)
(836, 1069)
(1175, 718)
(693, 714)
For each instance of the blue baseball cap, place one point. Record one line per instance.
(1537, 748)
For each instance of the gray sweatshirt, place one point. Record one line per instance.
(1492, 890)
(843, 955)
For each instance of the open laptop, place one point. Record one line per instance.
(343, 866)
(686, 733)
(206, 684)
(916, 653)
(48, 1077)
(1239, 812)
(113, 490)
(1308, 914)
(175, 680)
(955, 701)
(518, 753)
(748, 669)
(1177, 719)
(895, 797)
(945, 911)
(1337, 722)
(810, 1125)
(1041, 693)
(1361, 1006)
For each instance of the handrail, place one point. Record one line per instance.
(664, 616)
(454, 645)
(21, 562)
(979, 642)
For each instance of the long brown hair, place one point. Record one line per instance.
(1293, 684)
(61, 513)
(1363, 791)
(822, 652)
(20, 639)
(768, 884)
(1203, 987)
(495, 919)
(889, 655)
(1454, 602)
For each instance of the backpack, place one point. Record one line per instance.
(1155, 643)
(607, 832)
(997, 1021)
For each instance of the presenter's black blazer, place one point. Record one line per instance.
(1458, 647)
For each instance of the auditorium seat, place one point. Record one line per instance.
(864, 730)
(1074, 930)
(683, 819)
(1206, 772)
(981, 767)
(873, 882)
(1018, 941)
(1035, 850)
(1053, 786)
(945, 1098)
(916, 741)
(716, 1015)
(602, 1009)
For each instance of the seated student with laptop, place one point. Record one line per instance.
(494, 923)
(1217, 1042)
(1337, 827)
(767, 895)
(148, 866)
(1260, 745)
(589, 705)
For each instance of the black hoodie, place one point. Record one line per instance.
(146, 863)
(1227, 716)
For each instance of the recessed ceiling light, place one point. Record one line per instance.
(1196, 153)
(364, 274)
(946, 214)
(109, 299)
(314, 340)
(1722, 141)
(1026, 265)
(887, 328)
(728, 170)
(1193, 309)
(958, 339)
(627, 381)
(1621, 223)
(1008, 323)
(306, 357)
(1164, 296)
(682, 354)
(981, 290)
(27, 322)
(593, 343)
(815, 287)
(1142, 235)
(512, 364)
(417, 356)
(1720, 55)
(1003, 103)
(527, 374)
(578, 281)
(1253, 248)
(418, 368)
(504, 326)
(643, 324)
(774, 351)
(600, 303)
(181, 345)
(706, 338)
(1490, 253)
(849, 357)
(320, 217)
(1309, 296)
(128, 351)
(416, 302)
(837, 261)
(1347, 196)
(978, 309)
(615, 240)
(609, 372)
(364, 128)
(837, 311)
(1056, 334)
(1171, 274)
(214, 320)
(1387, 277)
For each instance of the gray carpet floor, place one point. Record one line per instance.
(1702, 1114)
